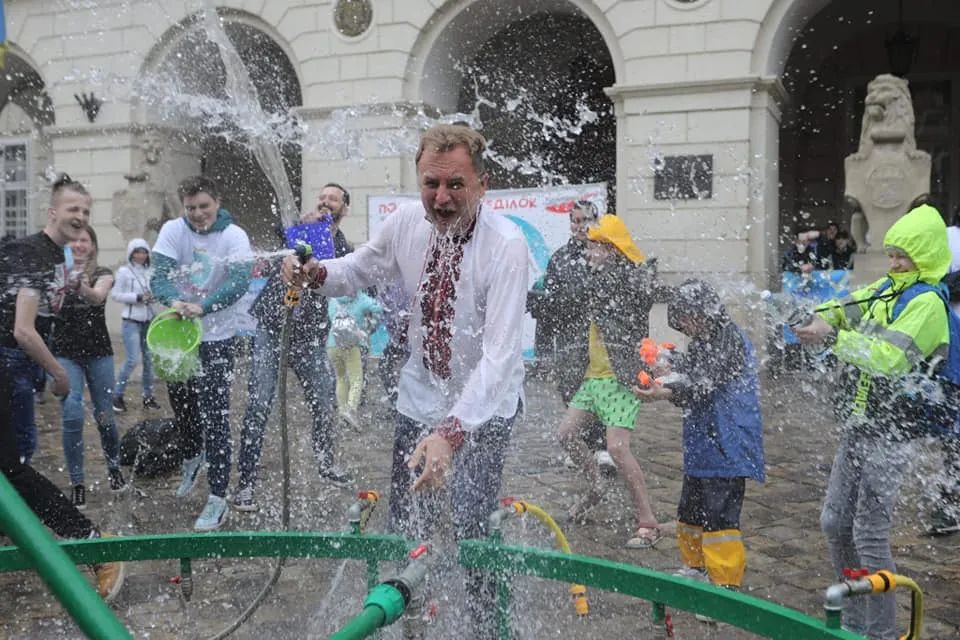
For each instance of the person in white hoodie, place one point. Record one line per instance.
(132, 290)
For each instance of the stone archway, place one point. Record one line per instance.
(183, 102)
(509, 65)
(825, 61)
(25, 111)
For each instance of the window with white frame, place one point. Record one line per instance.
(15, 212)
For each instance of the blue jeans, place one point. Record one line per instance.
(201, 410)
(472, 495)
(98, 373)
(22, 371)
(42, 496)
(308, 359)
(857, 516)
(135, 346)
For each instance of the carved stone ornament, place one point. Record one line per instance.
(152, 145)
(887, 172)
(353, 17)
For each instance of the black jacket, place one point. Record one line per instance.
(312, 322)
(619, 301)
(560, 314)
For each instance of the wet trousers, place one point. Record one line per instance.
(472, 494)
(98, 374)
(201, 411)
(708, 528)
(856, 518)
(43, 497)
(309, 363)
(347, 363)
(23, 372)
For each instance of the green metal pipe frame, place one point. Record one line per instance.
(751, 614)
(39, 550)
(56, 565)
(223, 545)
(758, 616)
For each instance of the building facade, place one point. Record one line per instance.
(718, 124)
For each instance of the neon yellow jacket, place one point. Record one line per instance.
(867, 336)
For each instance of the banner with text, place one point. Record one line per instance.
(541, 214)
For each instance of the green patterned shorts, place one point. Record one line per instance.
(612, 403)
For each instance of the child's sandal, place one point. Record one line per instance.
(645, 538)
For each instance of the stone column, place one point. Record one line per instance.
(766, 109)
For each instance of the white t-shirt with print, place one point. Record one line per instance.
(204, 261)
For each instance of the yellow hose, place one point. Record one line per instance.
(916, 607)
(578, 591)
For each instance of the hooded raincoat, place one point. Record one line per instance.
(133, 285)
(876, 349)
(720, 391)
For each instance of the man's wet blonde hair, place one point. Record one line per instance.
(447, 137)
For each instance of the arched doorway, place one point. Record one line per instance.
(542, 103)
(833, 57)
(533, 74)
(25, 152)
(184, 91)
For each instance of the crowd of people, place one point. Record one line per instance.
(450, 280)
(816, 250)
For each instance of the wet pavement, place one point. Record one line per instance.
(787, 554)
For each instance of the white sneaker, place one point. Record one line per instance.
(213, 514)
(191, 469)
(569, 463)
(244, 500)
(605, 460)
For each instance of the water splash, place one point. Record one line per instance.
(240, 89)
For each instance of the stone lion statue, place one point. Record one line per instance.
(888, 116)
(887, 171)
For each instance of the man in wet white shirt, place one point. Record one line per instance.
(465, 270)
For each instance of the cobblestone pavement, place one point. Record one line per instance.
(787, 554)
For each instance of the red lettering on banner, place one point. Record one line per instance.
(498, 204)
(561, 207)
(387, 208)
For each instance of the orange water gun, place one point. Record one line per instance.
(653, 354)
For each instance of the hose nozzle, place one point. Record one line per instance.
(304, 252)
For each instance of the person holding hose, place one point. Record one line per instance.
(466, 271)
(878, 344)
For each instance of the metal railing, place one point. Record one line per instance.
(56, 564)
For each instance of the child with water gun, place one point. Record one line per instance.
(716, 384)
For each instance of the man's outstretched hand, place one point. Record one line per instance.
(436, 455)
(300, 275)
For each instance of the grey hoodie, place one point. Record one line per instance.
(133, 285)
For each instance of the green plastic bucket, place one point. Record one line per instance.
(174, 346)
